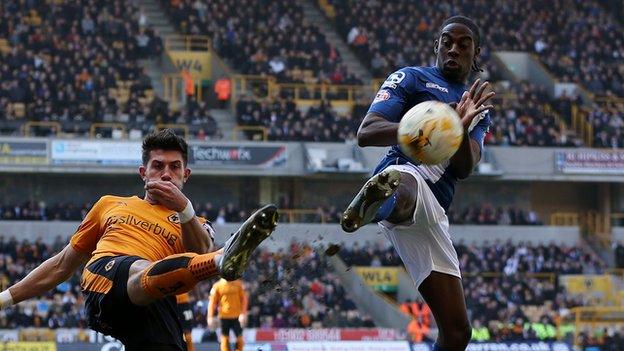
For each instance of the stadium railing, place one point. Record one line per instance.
(55, 126)
(299, 215)
(591, 223)
(580, 116)
(255, 133)
(173, 89)
(565, 218)
(551, 277)
(97, 127)
(581, 125)
(595, 317)
(187, 43)
(342, 97)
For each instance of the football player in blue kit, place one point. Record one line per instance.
(409, 200)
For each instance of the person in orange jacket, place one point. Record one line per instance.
(417, 330)
(422, 311)
(231, 300)
(223, 89)
(189, 84)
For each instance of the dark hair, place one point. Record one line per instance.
(167, 140)
(474, 28)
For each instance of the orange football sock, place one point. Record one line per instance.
(225, 343)
(239, 343)
(189, 341)
(177, 274)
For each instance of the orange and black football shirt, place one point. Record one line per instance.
(230, 297)
(130, 226)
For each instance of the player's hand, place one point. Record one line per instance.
(242, 319)
(211, 323)
(472, 103)
(167, 194)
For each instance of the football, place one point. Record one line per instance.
(430, 132)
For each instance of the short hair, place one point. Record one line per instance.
(167, 140)
(468, 22)
(474, 28)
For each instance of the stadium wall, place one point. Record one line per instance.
(324, 233)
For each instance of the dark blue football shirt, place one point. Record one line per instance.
(403, 90)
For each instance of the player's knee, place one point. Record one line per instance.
(406, 198)
(459, 337)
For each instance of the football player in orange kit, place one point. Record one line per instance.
(231, 299)
(141, 252)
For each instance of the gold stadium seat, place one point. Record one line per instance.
(19, 109)
(118, 44)
(124, 84)
(149, 94)
(4, 45)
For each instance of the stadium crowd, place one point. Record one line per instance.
(284, 121)
(511, 290)
(608, 122)
(526, 116)
(289, 288)
(485, 213)
(296, 288)
(72, 62)
(497, 256)
(263, 38)
(232, 213)
(84, 67)
(602, 339)
(531, 26)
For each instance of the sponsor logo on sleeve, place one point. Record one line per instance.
(382, 95)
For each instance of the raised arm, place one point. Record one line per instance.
(49, 274)
(375, 130)
(380, 125)
(469, 107)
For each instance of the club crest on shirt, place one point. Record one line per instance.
(109, 265)
(174, 218)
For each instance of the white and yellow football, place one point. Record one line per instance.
(430, 132)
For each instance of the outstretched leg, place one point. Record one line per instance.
(180, 273)
(390, 194)
(445, 296)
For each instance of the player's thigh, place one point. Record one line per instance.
(135, 291)
(227, 324)
(238, 330)
(445, 296)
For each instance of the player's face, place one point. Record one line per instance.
(456, 51)
(166, 166)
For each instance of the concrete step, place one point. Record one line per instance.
(314, 16)
(155, 68)
(226, 120)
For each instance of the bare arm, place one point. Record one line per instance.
(49, 274)
(469, 153)
(377, 131)
(466, 158)
(195, 237)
